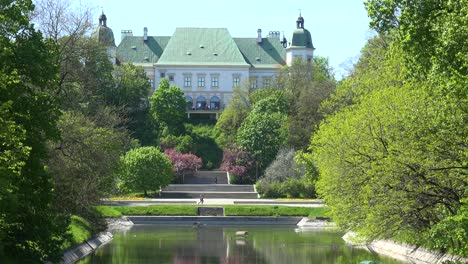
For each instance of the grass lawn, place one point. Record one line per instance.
(230, 210)
(79, 231)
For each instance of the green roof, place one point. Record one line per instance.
(104, 35)
(269, 53)
(135, 50)
(202, 46)
(302, 38)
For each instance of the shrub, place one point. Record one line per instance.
(183, 164)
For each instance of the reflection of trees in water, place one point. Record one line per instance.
(218, 245)
(212, 245)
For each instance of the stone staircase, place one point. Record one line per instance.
(203, 182)
(207, 177)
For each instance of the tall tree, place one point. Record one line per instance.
(31, 229)
(307, 85)
(168, 106)
(263, 132)
(84, 162)
(234, 114)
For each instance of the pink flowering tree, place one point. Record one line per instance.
(238, 163)
(183, 164)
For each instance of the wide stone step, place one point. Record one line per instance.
(207, 177)
(226, 195)
(209, 188)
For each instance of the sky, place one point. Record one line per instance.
(339, 28)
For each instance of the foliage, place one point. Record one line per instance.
(393, 165)
(233, 116)
(283, 167)
(168, 106)
(30, 230)
(183, 143)
(290, 188)
(83, 163)
(262, 134)
(306, 86)
(284, 178)
(130, 92)
(451, 233)
(392, 155)
(239, 164)
(79, 231)
(429, 32)
(183, 164)
(205, 144)
(145, 168)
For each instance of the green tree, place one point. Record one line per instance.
(84, 162)
(144, 169)
(389, 165)
(306, 85)
(131, 92)
(263, 132)
(234, 114)
(168, 106)
(30, 229)
(429, 32)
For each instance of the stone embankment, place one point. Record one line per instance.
(78, 252)
(406, 253)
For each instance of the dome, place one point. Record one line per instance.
(302, 38)
(104, 35)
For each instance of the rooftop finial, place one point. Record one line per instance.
(103, 18)
(300, 20)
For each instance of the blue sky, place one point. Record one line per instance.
(339, 28)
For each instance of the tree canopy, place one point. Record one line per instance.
(168, 106)
(144, 169)
(30, 230)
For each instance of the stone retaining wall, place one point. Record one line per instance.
(412, 254)
(76, 253)
(406, 253)
(215, 220)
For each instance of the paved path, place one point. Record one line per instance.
(218, 201)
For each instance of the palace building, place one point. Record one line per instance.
(206, 63)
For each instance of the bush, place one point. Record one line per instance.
(291, 188)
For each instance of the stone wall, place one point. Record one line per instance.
(74, 254)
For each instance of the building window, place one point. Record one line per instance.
(151, 81)
(162, 75)
(253, 83)
(215, 81)
(266, 81)
(201, 103)
(235, 81)
(187, 81)
(201, 81)
(171, 77)
(214, 103)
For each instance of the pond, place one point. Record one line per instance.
(219, 244)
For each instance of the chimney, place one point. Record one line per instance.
(145, 33)
(259, 38)
(125, 33)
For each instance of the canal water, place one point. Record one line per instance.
(219, 244)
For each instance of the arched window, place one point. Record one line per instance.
(215, 103)
(201, 103)
(189, 100)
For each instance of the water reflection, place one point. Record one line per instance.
(208, 244)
